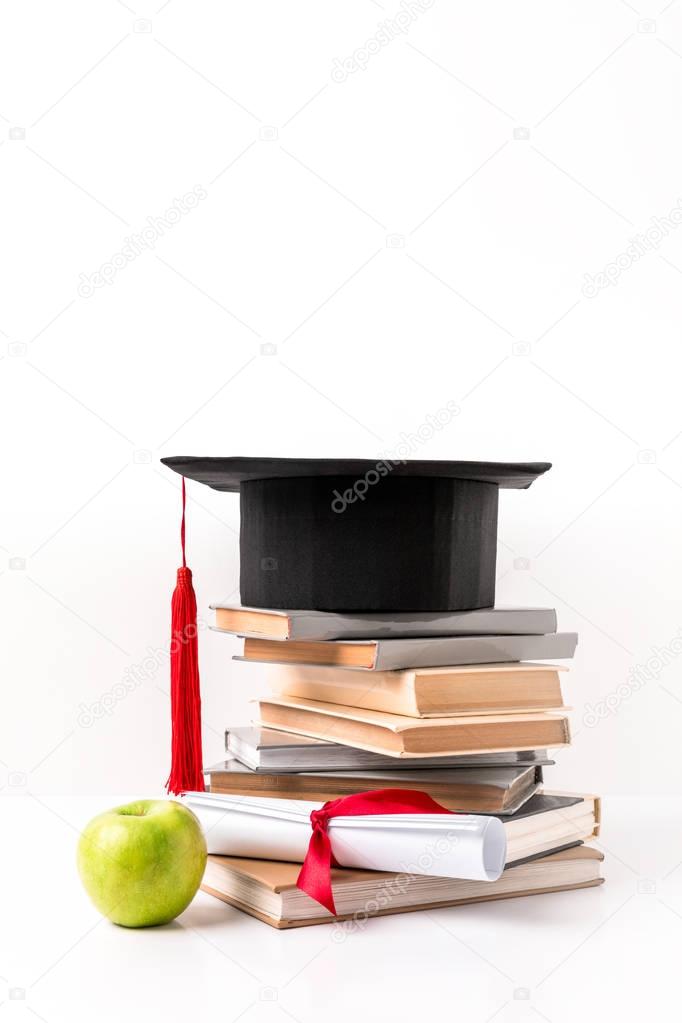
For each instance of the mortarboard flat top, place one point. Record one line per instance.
(355, 534)
(229, 473)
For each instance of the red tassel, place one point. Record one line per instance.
(186, 773)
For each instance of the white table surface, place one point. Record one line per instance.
(614, 952)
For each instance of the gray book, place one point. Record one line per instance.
(269, 750)
(495, 790)
(324, 625)
(391, 654)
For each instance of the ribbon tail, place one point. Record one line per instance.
(315, 876)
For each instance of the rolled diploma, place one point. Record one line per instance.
(442, 845)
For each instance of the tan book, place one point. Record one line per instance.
(473, 789)
(400, 736)
(426, 692)
(267, 889)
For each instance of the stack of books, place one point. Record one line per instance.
(456, 704)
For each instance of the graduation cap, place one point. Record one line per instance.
(340, 534)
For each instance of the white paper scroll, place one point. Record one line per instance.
(442, 845)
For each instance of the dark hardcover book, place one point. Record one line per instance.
(501, 790)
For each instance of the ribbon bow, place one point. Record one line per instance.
(315, 876)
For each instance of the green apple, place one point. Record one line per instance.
(141, 864)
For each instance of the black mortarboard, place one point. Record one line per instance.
(338, 534)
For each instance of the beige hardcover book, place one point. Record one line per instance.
(426, 692)
(400, 736)
(267, 889)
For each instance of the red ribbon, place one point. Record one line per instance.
(315, 876)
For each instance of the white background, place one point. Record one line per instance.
(414, 235)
